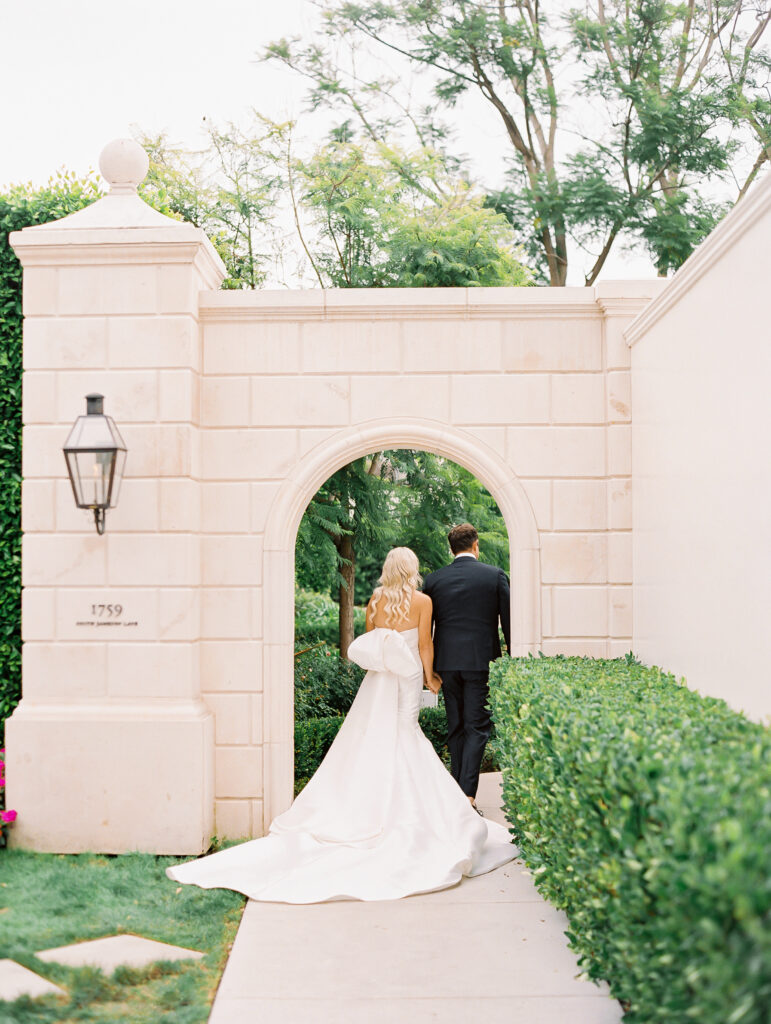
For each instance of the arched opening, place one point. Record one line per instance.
(279, 556)
(392, 498)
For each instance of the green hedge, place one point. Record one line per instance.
(324, 683)
(312, 740)
(644, 811)
(317, 617)
(20, 206)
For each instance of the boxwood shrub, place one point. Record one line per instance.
(324, 683)
(643, 809)
(312, 739)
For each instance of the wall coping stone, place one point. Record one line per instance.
(622, 297)
(124, 246)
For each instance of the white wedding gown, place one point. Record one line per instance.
(382, 817)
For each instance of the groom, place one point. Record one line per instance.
(469, 598)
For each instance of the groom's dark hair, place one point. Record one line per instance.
(462, 537)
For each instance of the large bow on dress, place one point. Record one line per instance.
(383, 650)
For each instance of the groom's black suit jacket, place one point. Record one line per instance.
(469, 598)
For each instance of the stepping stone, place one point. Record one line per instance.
(16, 981)
(117, 951)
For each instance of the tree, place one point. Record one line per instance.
(391, 498)
(674, 84)
(364, 215)
(385, 218)
(672, 90)
(230, 189)
(349, 510)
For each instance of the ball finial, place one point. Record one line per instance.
(123, 164)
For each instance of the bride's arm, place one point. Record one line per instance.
(426, 645)
(369, 624)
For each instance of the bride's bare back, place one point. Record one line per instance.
(418, 617)
(419, 605)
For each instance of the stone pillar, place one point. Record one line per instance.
(111, 747)
(620, 302)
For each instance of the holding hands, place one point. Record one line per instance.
(434, 683)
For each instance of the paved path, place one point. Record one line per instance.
(488, 949)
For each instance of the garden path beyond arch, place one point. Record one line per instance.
(278, 564)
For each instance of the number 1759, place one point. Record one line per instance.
(112, 611)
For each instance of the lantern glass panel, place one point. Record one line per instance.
(93, 432)
(92, 475)
(117, 479)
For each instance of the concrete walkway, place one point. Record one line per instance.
(488, 949)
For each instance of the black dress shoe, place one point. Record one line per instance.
(478, 810)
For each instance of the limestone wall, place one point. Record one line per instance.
(236, 406)
(535, 383)
(701, 355)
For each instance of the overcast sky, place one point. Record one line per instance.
(75, 74)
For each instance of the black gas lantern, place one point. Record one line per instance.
(95, 455)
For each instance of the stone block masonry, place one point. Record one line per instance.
(235, 407)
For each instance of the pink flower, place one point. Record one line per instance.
(7, 817)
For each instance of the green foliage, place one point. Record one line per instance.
(312, 739)
(20, 206)
(324, 683)
(230, 189)
(397, 497)
(52, 900)
(678, 95)
(644, 811)
(364, 215)
(353, 502)
(675, 224)
(428, 495)
(385, 218)
(317, 561)
(316, 618)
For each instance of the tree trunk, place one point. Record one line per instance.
(348, 573)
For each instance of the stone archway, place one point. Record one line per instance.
(278, 565)
(221, 394)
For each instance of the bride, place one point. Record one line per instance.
(382, 818)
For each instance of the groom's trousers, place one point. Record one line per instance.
(468, 724)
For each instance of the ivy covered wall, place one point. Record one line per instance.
(20, 207)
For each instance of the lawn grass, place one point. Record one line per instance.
(52, 899)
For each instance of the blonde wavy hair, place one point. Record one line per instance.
(398, 580)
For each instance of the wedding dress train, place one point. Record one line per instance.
(382, 817)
